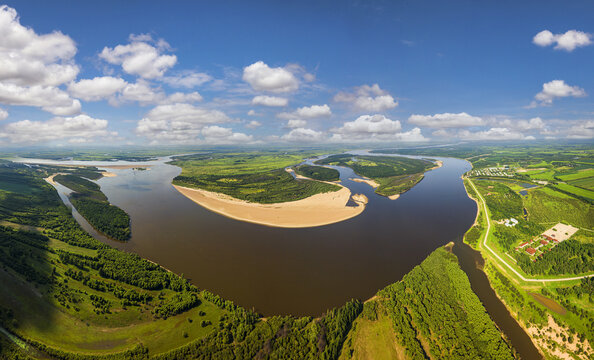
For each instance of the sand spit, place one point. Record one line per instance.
(316, 210)
(108, 174)
(394, 197)
(369, 182)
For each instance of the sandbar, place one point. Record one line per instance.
(316, 210)
(369, 182)
(108, 174)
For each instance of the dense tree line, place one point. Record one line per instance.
(108, 219)
(177, 304)
(318, 172)
(569, 257)
(434, 304)
(378, 166)
(93, 205)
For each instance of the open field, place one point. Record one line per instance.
(258, 177)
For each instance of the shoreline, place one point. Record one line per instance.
(317, 210)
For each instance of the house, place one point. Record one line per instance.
(544, 242)
(524, 244)
(531, 251)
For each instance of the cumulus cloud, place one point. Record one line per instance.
(368, 98)
(79, 128)
(27, 58)
(178, 122)
(261, 77)
(97, 88)
(368, 128)
(581, 130)
(50, 99)
(3, 114)
(224, 136)
(252, 112)
(179, 97)
(32, 66)
(253, 124)
(187, 79)
(307, 112)
(568, 41)
(303, 135)
(142, 57)
(446, 120)
(296, 123)
(269, 100)
(556, 89)
(492, 134)
(521, 124)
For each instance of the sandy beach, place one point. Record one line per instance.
(108, 174)
(316, 210)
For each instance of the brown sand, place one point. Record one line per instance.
(316, 210)
(108, 174)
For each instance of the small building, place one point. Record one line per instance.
(524, 244)
(544, 242)
(531, 251)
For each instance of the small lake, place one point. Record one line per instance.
(304, 271)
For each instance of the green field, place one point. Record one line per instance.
(257, 177)
(584, 193)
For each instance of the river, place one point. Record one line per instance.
(304, 271)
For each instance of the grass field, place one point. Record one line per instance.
(254, 177)
(588, 194)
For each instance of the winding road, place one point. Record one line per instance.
(484, 203)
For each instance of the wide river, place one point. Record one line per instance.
(304, 271)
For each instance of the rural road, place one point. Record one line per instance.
(503, 261)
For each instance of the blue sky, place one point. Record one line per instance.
(300, 72)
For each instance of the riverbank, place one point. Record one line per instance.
(316, 210)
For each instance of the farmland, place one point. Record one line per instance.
(540, 210)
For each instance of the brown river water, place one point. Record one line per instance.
(304, 271)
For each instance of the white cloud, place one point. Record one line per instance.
(253, 124)
(50, 99)
(97, 88)
(296, 123)
(219, 135)
(521, 125)
(261, 77)
(493, 134)
(140, 92)
(27, 58)
(252, 112)
(32, 66)
(568, 41)
(368, 128)
(307, 112)
(269, 100)
(142, 56)
(179, 97)
(178, 122)
(446, 120)
(3, 114)
(556, 89)
(81, 127)
(368, 98)
(187, 79)
(303, 135)
(581, 130)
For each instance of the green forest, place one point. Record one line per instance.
(318, 172)
(93, 205)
